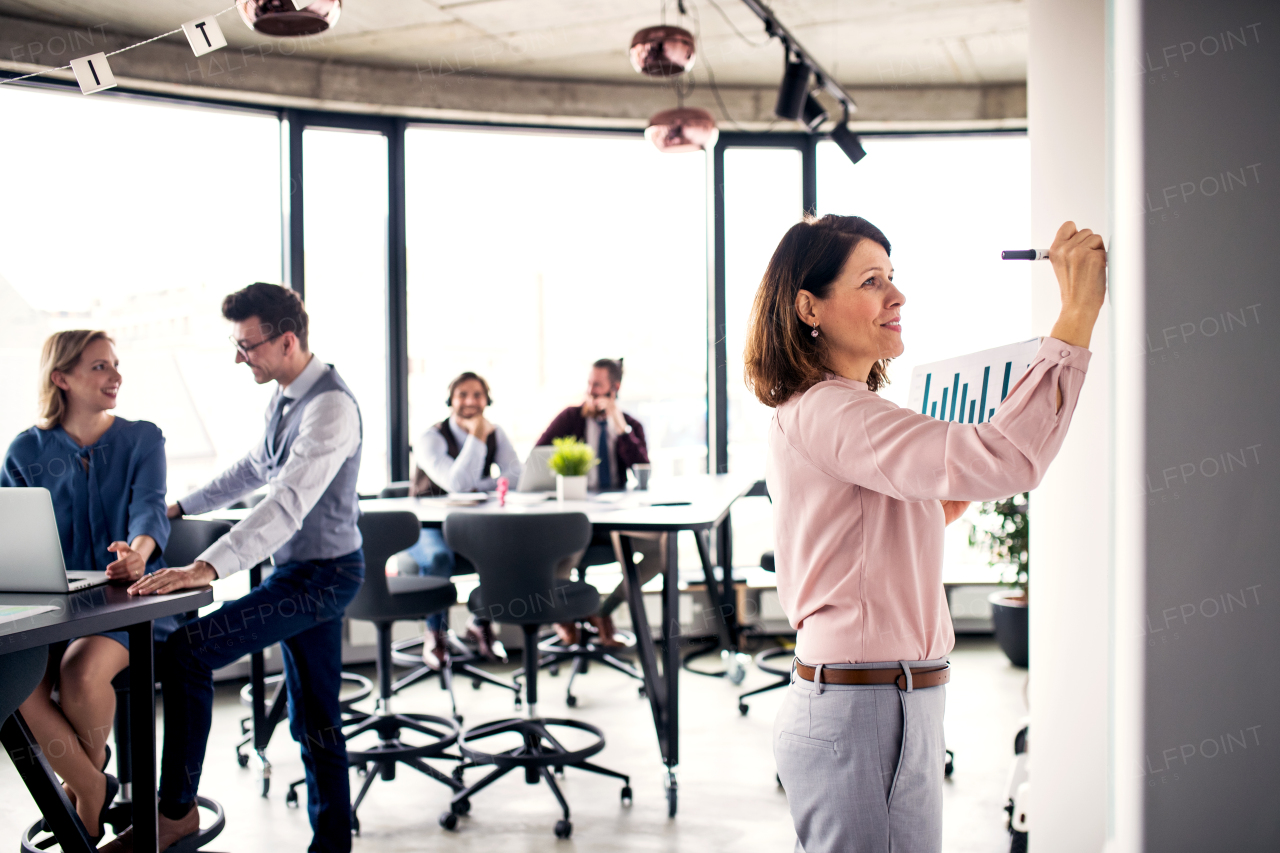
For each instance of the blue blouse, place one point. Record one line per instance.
(110, 491)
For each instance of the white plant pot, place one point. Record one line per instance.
(571, 488)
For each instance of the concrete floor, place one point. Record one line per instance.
(728, 797)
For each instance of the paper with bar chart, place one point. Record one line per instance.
(967, 389)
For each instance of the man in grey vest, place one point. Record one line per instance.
(308, 460)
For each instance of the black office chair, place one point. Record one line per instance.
(188, 538)
(588, 648)
(407, 653)
(775, 661)
(515, 556)
(383, 600)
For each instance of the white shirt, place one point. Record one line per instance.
(593, 441)
(465, 474)
(328, 436)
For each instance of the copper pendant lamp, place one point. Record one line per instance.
(283, 18)
(682, 129)
(662, 51)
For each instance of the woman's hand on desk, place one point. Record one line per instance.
(951, 510)
(130, 563)
(198, 574)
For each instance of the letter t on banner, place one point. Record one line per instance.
(93, 73)
(205, 35)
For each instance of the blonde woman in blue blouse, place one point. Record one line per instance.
(107, 479)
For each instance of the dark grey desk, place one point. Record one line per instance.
(103, 608)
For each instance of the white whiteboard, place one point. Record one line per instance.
(969, 388)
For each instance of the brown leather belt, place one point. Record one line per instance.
(920, 678)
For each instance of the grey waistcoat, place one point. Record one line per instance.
(330, 529)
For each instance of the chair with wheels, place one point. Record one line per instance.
(776, 661)
(188, 539)
(589, 647)
(515, 556)
(383, 600)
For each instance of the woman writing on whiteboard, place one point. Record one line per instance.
(862, 490)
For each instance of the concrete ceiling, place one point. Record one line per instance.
(877, 43)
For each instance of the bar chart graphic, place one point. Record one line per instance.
(969, 388)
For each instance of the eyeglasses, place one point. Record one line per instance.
(245, 350)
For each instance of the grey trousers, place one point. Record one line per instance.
(862, 767)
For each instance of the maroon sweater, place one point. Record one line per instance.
(628, 450)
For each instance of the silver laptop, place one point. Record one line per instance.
(537, 475)
(31, 559)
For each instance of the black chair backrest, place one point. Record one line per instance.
(385, 534)
(22, 673)
(398, 489)
(516, 554)
(189, 537)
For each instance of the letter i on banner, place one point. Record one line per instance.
(93, 73)
(205, 35)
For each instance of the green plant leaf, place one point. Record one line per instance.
(573, 458)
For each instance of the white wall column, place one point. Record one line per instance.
(1071, 511)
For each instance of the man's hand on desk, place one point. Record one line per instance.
(198, 574)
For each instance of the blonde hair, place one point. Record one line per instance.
(61, 353)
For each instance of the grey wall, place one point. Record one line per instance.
(1211, 124)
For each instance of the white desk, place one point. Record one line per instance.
(697, 503)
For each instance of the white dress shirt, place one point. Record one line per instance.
(328, 435)
(465, 474)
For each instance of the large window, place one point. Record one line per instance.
(345, 222)
(532, 255)
(138, 217)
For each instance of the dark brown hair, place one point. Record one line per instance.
(782, 358)
(278, 308)
(467, 377)
(614, 368)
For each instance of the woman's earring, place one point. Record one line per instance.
(814, 333)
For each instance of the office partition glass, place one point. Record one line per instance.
(531, 255)
(762, 199)
(345, 238)
(138, 217)
(948, 205)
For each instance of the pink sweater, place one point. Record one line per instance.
(856, 483)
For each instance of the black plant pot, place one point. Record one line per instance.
(1010, 617)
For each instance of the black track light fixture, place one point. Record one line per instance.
(814, 113)
(848, 141)
(794, 89)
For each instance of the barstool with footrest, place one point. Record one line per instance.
(515, 556)
(384, 600)
(188, 539)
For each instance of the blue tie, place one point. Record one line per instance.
(604, 481)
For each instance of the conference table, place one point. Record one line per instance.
(698, 503)
(102, 608)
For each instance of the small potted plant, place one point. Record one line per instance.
(571, 462)
(1004, 538)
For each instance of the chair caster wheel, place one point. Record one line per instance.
(626, 795)
(449, 820)
(743, 708)
(291, 798)
(563, 829)
(355, 825)
(554, 670)
(571, 701)
(559, 772)
(641, 692)
(950, 766)
(475, 684)
(242, 759)
(462, 807)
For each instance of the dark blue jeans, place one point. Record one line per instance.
(300, 606)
